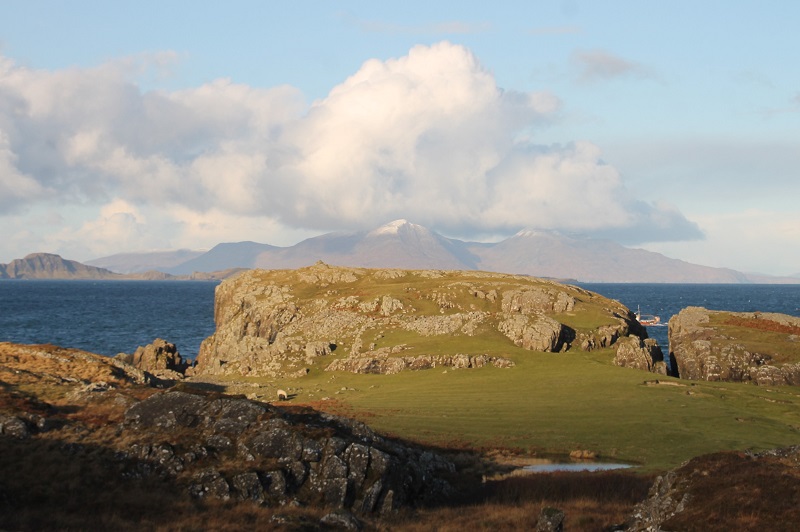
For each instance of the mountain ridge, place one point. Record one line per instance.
(402, 244)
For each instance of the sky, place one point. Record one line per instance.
(151, 125)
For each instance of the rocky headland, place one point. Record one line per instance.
(758, 347)
(281, 323)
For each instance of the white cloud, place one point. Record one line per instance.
(428, 137)
(16, 188)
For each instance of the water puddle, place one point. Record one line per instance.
(574, 466)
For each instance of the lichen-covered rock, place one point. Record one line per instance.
(393, 365)
(537, 300)
(762, 348)
(646, 355)
(536, 333)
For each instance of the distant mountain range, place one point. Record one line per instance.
(401, 244)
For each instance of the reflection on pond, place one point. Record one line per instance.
(573, 466)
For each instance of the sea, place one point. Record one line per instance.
(110, 317)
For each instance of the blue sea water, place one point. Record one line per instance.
(107, 317)
(666, 300)
(110, 317)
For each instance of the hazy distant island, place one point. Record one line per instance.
(399, 244)
(52, 266)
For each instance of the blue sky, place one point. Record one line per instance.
(672, 126)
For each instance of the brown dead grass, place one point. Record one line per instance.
(761, 325)
(590, 501)
(49, 363)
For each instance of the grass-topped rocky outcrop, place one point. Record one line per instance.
(758, 347)
(283, 323)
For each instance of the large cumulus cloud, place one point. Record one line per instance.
(428, 136)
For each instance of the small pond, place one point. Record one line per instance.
(573, 466)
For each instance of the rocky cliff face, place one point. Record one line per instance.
(280, 322)
(762, 348)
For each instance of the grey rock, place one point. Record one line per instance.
(276, 484)
(646, 355)
(14, 427)
(247, 486)
(550, 520)
(167, 411)
(536, 333)
(209, 483)
(341, 520)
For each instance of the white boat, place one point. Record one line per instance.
(647, 319)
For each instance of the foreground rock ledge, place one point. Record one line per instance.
(757, 347)
(81, 406)
(273, 457)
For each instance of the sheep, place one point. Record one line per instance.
(282, 395)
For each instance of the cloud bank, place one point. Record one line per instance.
(428, 136)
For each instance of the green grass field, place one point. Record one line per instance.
(551, 404)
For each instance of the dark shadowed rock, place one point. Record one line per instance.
(321, 459)
(550, 520)
(341, 520)
(14, 427)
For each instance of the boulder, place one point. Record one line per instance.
(550, 520)
(160, 358)
(646, 355)
(14, 427)
(536, 333)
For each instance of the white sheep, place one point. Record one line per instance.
(282, 395)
